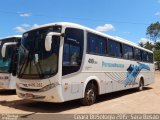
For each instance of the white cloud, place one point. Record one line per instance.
(126, 32)
(25, 25)
(105, 28)
(157, 14)
(25, 14)
(145, 40)
(35, 25)
(20, 29)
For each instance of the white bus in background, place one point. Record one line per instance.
(60, 62)
(8, 53)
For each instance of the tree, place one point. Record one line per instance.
(157, 46)
(153, 32)
(157, 55)
(141, 44)
(148, 45)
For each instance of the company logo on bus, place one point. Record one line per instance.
(113, 65)
(133, 71)
(130, 76)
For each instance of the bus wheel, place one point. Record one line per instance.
(141, 85)
(90, 95)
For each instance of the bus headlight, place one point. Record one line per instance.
(48, 87)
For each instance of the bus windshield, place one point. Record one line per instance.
(6, 63)
(34, 61)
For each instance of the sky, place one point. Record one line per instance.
(127, 19)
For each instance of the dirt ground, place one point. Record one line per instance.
(130, 101)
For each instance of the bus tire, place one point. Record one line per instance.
(141, 85)
(89, 95)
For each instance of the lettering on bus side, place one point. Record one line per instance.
(115, 65)
(92, 61)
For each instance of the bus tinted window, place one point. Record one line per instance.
(96, 44)
(144, 56)
(150, 57)
(137, 54)
(114, 49)
(73, 50)
(128, 52)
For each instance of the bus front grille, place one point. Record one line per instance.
(30, 90)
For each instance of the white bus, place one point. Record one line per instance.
(60, 62)
(8, 52)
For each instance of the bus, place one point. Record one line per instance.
(8, 51)
(65, 61)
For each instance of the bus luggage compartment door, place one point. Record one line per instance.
(109, 86)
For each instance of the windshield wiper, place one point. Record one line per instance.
(39, 69)
(20, 71)
(28, 61)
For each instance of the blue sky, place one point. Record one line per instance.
(124, 18)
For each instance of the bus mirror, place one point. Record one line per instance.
(48, 40)
(3, 50)
(14, 64)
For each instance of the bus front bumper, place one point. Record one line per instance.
(52, 95)
(4, 84)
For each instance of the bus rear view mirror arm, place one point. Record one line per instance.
(3, 52)
(48, 39)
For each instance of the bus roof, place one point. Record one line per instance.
(14, 36)
(74, 25)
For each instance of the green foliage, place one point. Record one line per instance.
(157, 55)
(157, 46)
(148, 45)
(141, 44)
(153, 31)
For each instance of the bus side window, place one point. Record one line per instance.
(114, 49)
(137, 54)
(96, 45)
(144, 56)
(72, 50)
(150, 57)
(128, 52)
